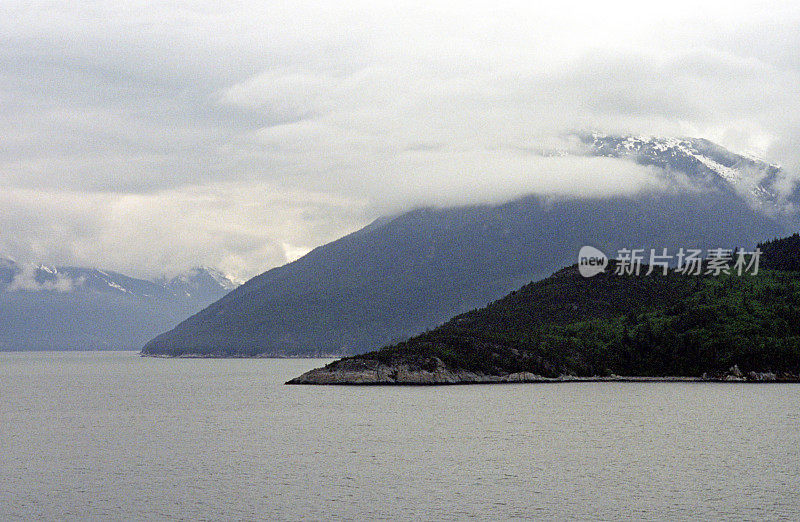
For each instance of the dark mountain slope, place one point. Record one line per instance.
(402, 276)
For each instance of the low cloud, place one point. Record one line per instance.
(242, 229)
(30, 278)
(242, 135)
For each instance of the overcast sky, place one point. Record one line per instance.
(148, 137)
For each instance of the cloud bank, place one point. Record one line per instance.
(149, 137)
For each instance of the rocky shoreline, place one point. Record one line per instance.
(372, 372)
(237, 356)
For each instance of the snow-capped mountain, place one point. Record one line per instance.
(752, 178)
(199, 284)
(48, 307)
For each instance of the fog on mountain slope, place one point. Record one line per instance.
(401, 276)
(764, 186)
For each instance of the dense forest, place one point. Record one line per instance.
(656, 325)
(781, 254)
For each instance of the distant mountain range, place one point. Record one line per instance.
(71, 308)
(400, 276)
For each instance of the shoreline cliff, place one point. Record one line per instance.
(356, 371)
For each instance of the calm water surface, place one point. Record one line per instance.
(115, 436)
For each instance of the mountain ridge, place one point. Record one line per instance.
(400, 276)
(76, 308)
(754, 178)
(96, 279)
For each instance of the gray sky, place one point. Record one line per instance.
(148, 137)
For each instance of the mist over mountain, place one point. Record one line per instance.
(403, 275)
(764, 186)
(73, 308)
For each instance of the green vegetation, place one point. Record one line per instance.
(782, 254)
(673, 325)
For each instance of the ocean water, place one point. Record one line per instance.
(114, 436)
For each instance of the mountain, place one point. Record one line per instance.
(201, 284)
(400, 276)
(751, 177)
(721, 327)
(72, 308)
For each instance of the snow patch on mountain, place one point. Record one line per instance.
(33, 278)
(202, 283)
(754, 179)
